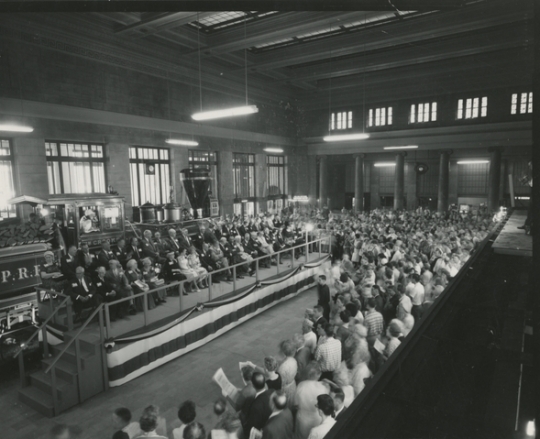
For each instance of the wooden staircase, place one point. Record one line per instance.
(72, 386)
(71, 372)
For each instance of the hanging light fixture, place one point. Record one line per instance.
(275, 150)
(182, 142)
(15, 128)
(401, 147)
(226, 112)
(352, 136)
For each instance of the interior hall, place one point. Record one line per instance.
(305, 221)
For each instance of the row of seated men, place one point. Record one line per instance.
(129, 268)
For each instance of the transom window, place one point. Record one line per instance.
(425, 112)
(341, 120)
(244, 175)
(380, 116)
(276, 168)
(207, 160)
(7, 189)
(150, 170)
(75, 168)
(472, 108)
(525, 103)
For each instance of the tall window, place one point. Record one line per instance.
(244, 175)
(341, 120)
(7, 189)
(380, 116)
(206, 160)
(75, 168)
(472, 108)
(276, 168)
(525, 103)
(150, 170)
(426, 112)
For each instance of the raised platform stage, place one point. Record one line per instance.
(169, 331)
(514, 241)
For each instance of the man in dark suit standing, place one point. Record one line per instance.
(280, 423)
(260, 410)
(69, 262)
(323, 293)
(83, 293)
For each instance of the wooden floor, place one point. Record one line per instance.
(514, 241)
(167, 311)
(188, 377)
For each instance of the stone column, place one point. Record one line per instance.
(323, 181)
(359, 183)
(399, 181)
(444, 181)
(494, 178)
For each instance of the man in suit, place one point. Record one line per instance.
(117, 281)
(69, 262)
(160, 244)
(323, 293)
(318, 319)
(303, 356)
(105, 254)
(86, 259)
(260, 410)
(280, 423)
(135, 249)
(121, 253)
(338, 397)
(108, 294)
(149, 249)
(83, 293)
(173, 243)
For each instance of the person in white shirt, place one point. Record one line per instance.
(325, 405)
(310, 338)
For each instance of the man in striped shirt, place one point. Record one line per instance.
(373, 321)
(328, 353)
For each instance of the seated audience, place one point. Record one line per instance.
(187, 414)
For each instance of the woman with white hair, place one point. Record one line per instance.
(195, 263)
(135, 279)
(186, 270)
(51, 276)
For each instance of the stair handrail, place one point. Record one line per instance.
(40, 328)
(75, 337)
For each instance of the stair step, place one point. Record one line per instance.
(70, 355)
(64, 369)
(43, 381)
(38, 400)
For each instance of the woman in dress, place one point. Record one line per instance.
(186, 270)
(288, 370)
(195, 263)
(51, 277)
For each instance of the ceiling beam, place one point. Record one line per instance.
(472, 65)
(176, 24)
(279, 27)
(411, 30)
(428, 51)
(155, 20)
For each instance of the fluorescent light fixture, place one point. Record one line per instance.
(401, 147)
(344, 137)
(182, 142)
(227, 112)
(384, 164)
(278, 150)
(472, 162)
(523, 198)
(15, 128)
